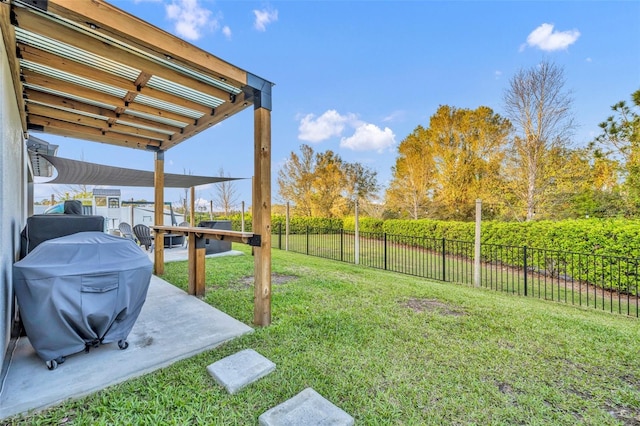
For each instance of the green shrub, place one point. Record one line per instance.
(367, 224)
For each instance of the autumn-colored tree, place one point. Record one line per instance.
(468, 149)
(327, 185)
(441, 170)
(539, 107)
(295, 180)
(322, 184)
(409, 192)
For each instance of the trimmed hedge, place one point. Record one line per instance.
(552, 245)
(297, 225)
(610, 237)
(609, 249)
(367, 224)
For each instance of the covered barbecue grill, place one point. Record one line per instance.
(80, 291)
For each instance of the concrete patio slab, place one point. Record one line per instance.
(307, 408)
(172, 326)
(240, 369)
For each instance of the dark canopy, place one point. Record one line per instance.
(75, 172)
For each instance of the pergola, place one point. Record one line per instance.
(88, 70)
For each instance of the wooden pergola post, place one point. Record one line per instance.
(261, 212)
(158, 268)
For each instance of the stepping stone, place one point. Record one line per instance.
(307, 408)
(238, 370)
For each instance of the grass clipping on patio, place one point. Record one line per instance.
(390, 349)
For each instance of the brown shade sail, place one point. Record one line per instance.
(74, 172)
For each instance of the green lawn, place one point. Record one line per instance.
(402, 255)
(390, 349)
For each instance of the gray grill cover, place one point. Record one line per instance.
(79, 290)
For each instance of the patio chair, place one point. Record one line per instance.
(143, 234)
(126, 231)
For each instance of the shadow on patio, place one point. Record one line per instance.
(172, 326)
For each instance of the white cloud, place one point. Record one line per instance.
(589, 60)
(190, 19)
(201, 204)
(329, 124)
(394, 116)
(545, 38)
(369, 137)
(226, 31)
(498, 74)
(263, 18)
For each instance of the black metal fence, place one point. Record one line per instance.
(609, 283)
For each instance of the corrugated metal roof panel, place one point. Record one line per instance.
(72, 78)
(68, 95)
(75, 54)
(167, 106)
(167, 121)
(165, 85)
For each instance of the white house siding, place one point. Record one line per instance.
(13, 194)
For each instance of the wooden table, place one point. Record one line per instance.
(196, 250)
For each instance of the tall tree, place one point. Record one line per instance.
(361, 185)
(413, 176)
(621, 138)
(226, 193)
(328, 184)
(539, 107)
(468, 148)
(442, 169)
(295, 180)
(322, 184)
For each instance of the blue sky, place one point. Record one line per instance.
(357, 77)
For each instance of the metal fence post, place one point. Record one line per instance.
(444, 261)
(286, 229)
(524, 251)
(280, 236)
(356, 247)
(477, 252)
(385, 251)
(307, 239)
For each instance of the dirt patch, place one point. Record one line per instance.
(276, 279)
(626, 415)
(505, 388)
(432, 305)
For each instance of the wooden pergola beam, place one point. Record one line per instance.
(101, 124)
(63, 128)
(71, 104)
(44, 26)
(112, 22)
(45, 58)
(36, 79)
